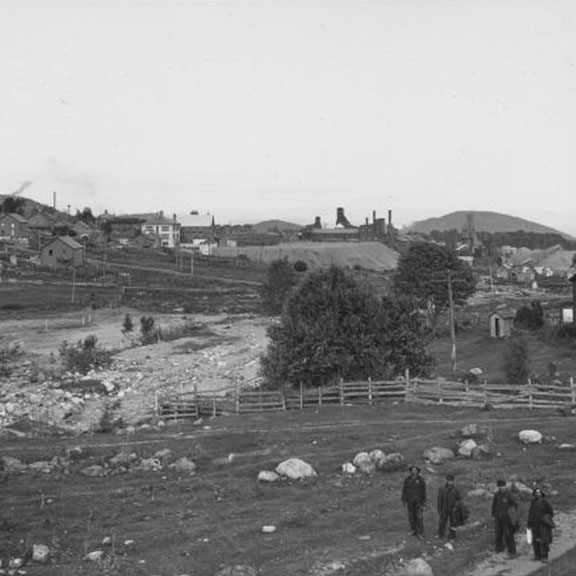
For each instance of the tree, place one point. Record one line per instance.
(128, 325)
(13, 205)
(279, 283)
(333, 326)
(530, 318)
(86, 216)
(517, 359)
(424, 274)
(148, 332)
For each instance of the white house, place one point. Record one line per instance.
(167, 229)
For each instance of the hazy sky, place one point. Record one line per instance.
(272, 109)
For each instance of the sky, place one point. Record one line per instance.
(252, 110)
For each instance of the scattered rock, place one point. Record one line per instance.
(238, 570)
(40, 553)
(93, 471)
(348, 468)
(267, 476)
(295, 469)
(184, 465)
(482, 451)
(530, 437)
(417, 567)
(378, 457)
(473, 431)
(13, 465)
(268, 529)
(438, 455)
(567, 447)
(95, 555)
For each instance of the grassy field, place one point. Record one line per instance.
(181, 524)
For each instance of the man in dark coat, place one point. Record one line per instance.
(414, 498)
(541, 523)
(505, 514)
(447, 504)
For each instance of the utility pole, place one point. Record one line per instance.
(73, 282)
(452, 326)
(192, 263)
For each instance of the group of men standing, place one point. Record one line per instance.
(453, 513)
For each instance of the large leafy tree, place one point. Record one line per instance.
(425, 275)
(334, 327)
(281, 279)
(13, 205)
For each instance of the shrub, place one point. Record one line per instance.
(85, 355)
(516, 360)
(128, 325)
(300, 266)
(148, 332)
(8, 356)
(530, 318)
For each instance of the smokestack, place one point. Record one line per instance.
(317, 222)
(174, 217)
(390, 219)
(54, 199)
(374, 216)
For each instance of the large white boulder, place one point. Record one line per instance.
(348, 468)
(238, 570)
(40, 553)
(530, 437)
(364, 463)
(473, 431)
(417, 567)
(295, 469)
(466, 448)
(438, 454)
(378, 457)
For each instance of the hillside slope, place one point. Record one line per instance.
(367, 255)
(483, 222)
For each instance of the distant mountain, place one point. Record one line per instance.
(483, 222)
(273, 225)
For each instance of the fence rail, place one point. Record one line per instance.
(240, 400)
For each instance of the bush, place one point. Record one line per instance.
(8, 356)
(530, 318)
(516, 360)
(148, 332)
(300, 266)
(85, 355)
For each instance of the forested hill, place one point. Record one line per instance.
(492, 222)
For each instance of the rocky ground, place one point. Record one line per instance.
(222, 351)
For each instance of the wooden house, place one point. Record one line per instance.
(62, 251)
(502, 322)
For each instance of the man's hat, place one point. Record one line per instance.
(450, 477)
(501, 483)
(414, 467)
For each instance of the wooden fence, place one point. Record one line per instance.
(237, 400)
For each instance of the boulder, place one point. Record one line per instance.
(438, 455)
(150, 465)
(41, 466)
(95, 555)
(164, 455)
(417, 567)
(184, 465)
(267, 476)
(295, 469)
(123, 458)
(364, 463)
(378, 457)
(466, 448)
(238, 570)
(40, 553)
(348, 468)
(530, 437)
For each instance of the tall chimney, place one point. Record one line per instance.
(317, 222)
(54, 199)
(390, 219)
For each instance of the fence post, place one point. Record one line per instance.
(237, 399)
(485, 390)
(341, 390)
(572, 390)
(156, 404)
(369, 390)
(407, 391)
(301, 397)
(319, 395)
(530, 394)
(214, 410)
(440, 392)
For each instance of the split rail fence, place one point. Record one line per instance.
(239, 400)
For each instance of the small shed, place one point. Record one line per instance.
(502, 322)
(62, 251)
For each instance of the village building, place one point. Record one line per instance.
(502, 322)
(14, 228)
(196, 228)
(62, 251)
(168, 229)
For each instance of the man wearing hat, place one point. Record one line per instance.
(447, 505)
(414, 498)
(505, 514)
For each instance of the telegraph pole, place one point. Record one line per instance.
(452, 326)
